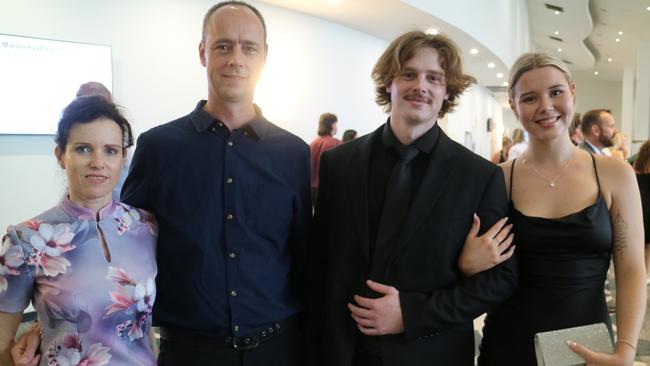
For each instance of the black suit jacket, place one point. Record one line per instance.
(438, 304)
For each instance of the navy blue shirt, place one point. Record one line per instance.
(234, 211)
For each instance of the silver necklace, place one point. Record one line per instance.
(551, 182)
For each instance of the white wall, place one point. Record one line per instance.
(313, 66)
(596, 94)
(468, 123)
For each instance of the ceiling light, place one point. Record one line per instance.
(648, 8)
(432, 31)
(595, 72)
(559, 50)
(499, 75)
(620, 33)
(491, 65)
(556, 33)
(473, 51)
(505, 83)
(618, 39)
(334, 2)
(609, 59)
(557, 12)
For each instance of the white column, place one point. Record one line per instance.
(641, 128)
(626, 123)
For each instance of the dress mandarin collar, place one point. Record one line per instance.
(85, 213)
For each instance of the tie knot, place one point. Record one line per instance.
(406, 153)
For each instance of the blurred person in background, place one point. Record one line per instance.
(501, 156)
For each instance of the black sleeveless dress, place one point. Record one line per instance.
(562, 267)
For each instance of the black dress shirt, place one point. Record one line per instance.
(382, 161)
(234, 211)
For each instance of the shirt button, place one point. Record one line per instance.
(235, 328)
(233, 293)
(232, 255)
(220, 124)
(229, 180)
(229, 217)
(230, 143)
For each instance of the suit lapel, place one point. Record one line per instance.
(434, 183)
(358, 187)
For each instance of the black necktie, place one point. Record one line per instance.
(396, 206)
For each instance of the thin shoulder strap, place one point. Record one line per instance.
(593, 160)
(512, 172)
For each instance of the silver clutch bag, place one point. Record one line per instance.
(551, 348)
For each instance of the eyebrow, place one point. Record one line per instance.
(232, 41)
(437, 72)
(90, 143)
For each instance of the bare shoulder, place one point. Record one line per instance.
(617, 177)
(614, 170)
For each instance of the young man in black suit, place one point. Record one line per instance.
(394, 210)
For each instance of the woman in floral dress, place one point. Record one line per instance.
(88, 264)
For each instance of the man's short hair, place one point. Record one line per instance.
(325, 123)
(206, 18)
(402, 49)
(591, 118)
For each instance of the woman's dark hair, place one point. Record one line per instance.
(87, 109)
(349, 135)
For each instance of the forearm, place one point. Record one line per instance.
(8, 326)
(630, 307)
(449, 307)
(5, 356)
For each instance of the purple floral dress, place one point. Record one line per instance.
(93, 312)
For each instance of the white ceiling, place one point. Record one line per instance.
(588, 29)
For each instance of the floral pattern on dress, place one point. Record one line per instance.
(133, 298)
(70, 352)
(125, 218)
(11, 257)
(89, 318)
(49, 243)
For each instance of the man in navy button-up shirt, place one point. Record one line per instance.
(231, 194)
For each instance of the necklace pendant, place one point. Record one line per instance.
(552, 184)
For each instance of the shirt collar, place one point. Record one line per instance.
(255, 129)
(597, 150)
(425, 143)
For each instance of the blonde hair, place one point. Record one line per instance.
(518, 135)
(402, 49)
(535, 60)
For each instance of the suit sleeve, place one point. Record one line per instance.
(318, 259)
(426, 314)
(136, 189)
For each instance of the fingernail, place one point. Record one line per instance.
(571, 343)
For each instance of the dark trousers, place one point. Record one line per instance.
(363, 357)
(284, 349)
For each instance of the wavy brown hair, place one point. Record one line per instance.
(642, 161)
(402, 49)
